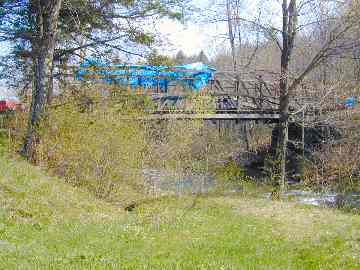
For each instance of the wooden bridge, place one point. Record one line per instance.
(233, 99)
(235, 96)
(224, 107)
(252, 97)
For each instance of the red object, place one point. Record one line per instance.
(9, 104)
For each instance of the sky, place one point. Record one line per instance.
(191, 36)
(198, 34)
(188, 38)
(4, 49)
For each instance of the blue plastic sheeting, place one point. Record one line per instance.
(350, 102)
(194, 76)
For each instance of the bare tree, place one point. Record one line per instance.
(289, 25)
(231, 35)
(298, 19)
(336, 43)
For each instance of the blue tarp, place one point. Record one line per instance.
(194, 76)
(350, 102)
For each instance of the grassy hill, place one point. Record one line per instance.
(47, 224)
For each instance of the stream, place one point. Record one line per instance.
(328, 199)
(167, 181)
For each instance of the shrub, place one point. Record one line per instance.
(336, 166)
(97, 141)
(96, 148)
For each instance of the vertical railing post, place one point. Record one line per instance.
(303, 132)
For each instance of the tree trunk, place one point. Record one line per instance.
(231, 35)
(43, 45)
(288, 36)
(283, 126)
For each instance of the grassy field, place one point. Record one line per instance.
(47, 224)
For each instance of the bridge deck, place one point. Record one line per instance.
(273, 116)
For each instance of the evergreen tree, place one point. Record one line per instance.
(45, 31)
(180, 58)
(203, 58)
(156, 59)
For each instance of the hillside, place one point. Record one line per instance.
(47, 224)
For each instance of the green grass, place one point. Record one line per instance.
(47, 224)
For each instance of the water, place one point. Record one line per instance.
(165, 181)
(329, 199)
(161, 181)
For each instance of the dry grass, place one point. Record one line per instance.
(29, 195)
(296, 222)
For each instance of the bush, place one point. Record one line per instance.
(335, 166)
(96, 147)
(231, 173)
(97, 141)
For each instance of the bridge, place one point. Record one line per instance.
(234, 96)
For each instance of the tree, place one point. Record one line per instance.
(45, 15)
(46, 31)
(203, 58)
(180, 58)
(289, 26)
(231, 34)
(336, 43)
(86, 28)
(156, 59)
(298, 20)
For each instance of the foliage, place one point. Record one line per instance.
(272, 169)
(112, 27)
(181, 59)
(335, 167)
(189, 148)
(232, 172)
(93, 139)
(156, 59)
(95, 148)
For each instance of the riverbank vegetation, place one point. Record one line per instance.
(99, 142)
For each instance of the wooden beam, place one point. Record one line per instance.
(222, 116)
